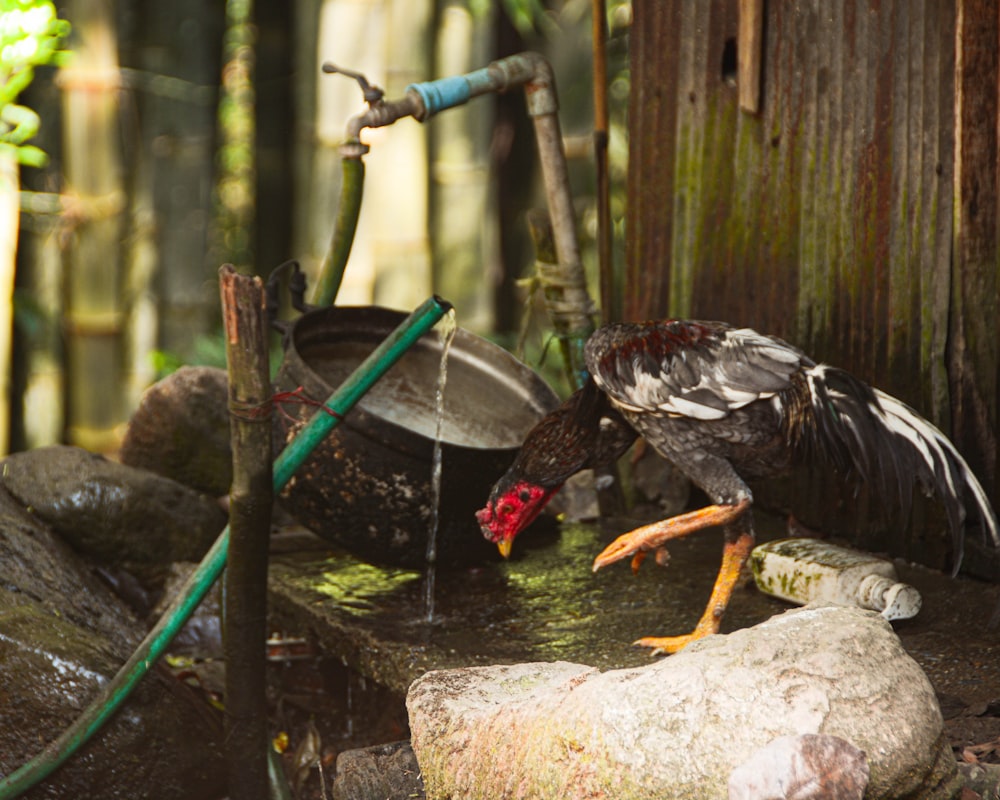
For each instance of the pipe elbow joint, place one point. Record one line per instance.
(533, 71)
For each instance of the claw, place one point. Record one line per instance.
(661, 556)
(667, 645)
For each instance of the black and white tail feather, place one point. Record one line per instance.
(888, 443)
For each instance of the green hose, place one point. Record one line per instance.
(197, 585)
(332, 271)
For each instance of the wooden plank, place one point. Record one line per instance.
(749, 46)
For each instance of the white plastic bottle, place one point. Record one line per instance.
(809, 570)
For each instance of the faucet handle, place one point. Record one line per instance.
(372, 94)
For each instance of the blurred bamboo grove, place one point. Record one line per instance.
(185, 135)
(30, 35)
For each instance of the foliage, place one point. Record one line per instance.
(30, 33)
(534, 16)
(524, 14)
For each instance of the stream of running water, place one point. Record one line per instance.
(446, 331)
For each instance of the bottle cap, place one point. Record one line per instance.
(894, 600)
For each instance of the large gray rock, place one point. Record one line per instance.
(678, 727)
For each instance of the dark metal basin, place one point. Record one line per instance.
(367, 487)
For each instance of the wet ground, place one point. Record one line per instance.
(367, 629)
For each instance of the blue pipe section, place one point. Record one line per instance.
(452, 91)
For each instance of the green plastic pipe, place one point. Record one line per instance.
(331, 273)
(205, 574)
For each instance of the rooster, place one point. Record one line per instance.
(726, 406)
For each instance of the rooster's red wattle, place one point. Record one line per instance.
(726, 406)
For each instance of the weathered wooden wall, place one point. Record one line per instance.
(855, 214)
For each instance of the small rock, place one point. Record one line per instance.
(809, 767)
(115, 513)
(677, 728)
(383, 772)
(983, 780)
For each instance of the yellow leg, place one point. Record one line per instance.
(734, 556)
(640, 541)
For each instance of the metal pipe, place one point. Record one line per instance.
(574, 313)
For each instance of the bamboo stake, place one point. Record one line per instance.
(250, 526)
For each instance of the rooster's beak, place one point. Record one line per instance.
(504, 546)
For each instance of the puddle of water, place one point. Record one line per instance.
(545, 604)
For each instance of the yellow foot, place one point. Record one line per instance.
(652, 537)
(665, 645)
(668, 645)
(734, 556)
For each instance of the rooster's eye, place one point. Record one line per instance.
(506, 508)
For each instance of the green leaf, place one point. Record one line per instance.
(524, 14)
(30, 35)
(31, 156)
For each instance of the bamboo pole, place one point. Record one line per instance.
(9, 216)
(43, 401)
(235, 210)
(175, 55)
(92, 161)
(245, 322)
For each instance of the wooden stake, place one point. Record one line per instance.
(250, 528)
